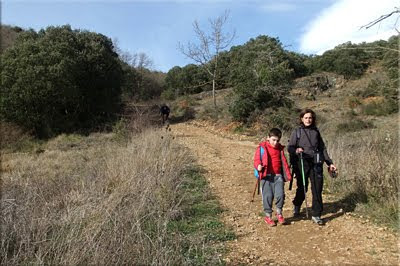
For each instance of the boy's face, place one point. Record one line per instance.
(273, 140)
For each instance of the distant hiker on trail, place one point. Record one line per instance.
(273, 170)
(164, 111)
(308, 153)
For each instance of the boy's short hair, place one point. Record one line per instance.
(275, 132)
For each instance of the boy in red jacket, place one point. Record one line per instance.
(273, 171)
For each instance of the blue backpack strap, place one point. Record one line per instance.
(261, 155)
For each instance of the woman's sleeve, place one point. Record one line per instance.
(322, 147)
(292, 143)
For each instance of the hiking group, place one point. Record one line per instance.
(307, 153)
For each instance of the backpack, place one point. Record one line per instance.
(293, 157)
(261, 155)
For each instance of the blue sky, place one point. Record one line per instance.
(156, 27)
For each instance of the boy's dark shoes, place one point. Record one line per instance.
(317, 220)
(269, 221)
(280, 218)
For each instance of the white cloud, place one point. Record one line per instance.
(341, 23)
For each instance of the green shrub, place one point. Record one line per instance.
(182, 110)
(168, 95)
(354, 125)
(120, 129)
(60, 80)
(385, 107)
(283, 118)
(353, 101)
(241, 108)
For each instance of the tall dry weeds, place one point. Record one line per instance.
(105, 204)
(369, 167)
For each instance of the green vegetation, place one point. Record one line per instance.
(59, 80)
(261, 75)
(354, 125)
(185, 80)
(72, 193)
(200, 221)
(351, 60)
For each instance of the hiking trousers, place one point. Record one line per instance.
(313, 172)
(272, 187)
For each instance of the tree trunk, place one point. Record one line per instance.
(213, 93)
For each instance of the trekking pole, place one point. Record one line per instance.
(304, 181)
(257, 187)
(291, 180)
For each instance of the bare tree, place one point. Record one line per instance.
(138, 61)
(141, 61)
(209, 46)
(383, 17)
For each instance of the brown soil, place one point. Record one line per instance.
(345, 239)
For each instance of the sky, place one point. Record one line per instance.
(155, 27)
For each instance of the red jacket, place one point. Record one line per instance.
(264, 162)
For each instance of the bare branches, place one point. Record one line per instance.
(207, 50)
(370, 49)
(209, 45)
(141, 61)
(381, 18)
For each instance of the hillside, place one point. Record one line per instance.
(354, 233)
(347, 238)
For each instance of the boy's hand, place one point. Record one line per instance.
(299, 150)
(259, 167)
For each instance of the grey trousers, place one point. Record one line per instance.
(272, 187)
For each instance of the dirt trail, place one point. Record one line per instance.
(345, 239)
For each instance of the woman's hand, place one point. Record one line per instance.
(299, 150)
(332, 168)
(259, 167)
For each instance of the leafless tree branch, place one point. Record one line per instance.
(209, 46)
(383, 17)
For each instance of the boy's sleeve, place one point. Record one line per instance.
(257, 160)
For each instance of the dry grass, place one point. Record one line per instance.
(369, 167)
(101, 204)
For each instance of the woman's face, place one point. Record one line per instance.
(307, 119)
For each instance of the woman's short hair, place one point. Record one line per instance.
(313, 115)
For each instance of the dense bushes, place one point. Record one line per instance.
(261, 74)
(186, 80)
(346, 59)
(60, 80)
(351, 60)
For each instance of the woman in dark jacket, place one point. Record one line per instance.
(307, 141)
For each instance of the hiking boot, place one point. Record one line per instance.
(280, 218)
(296, 210)
(269, 221)
(317, 220)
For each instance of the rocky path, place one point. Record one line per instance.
(344, 240)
